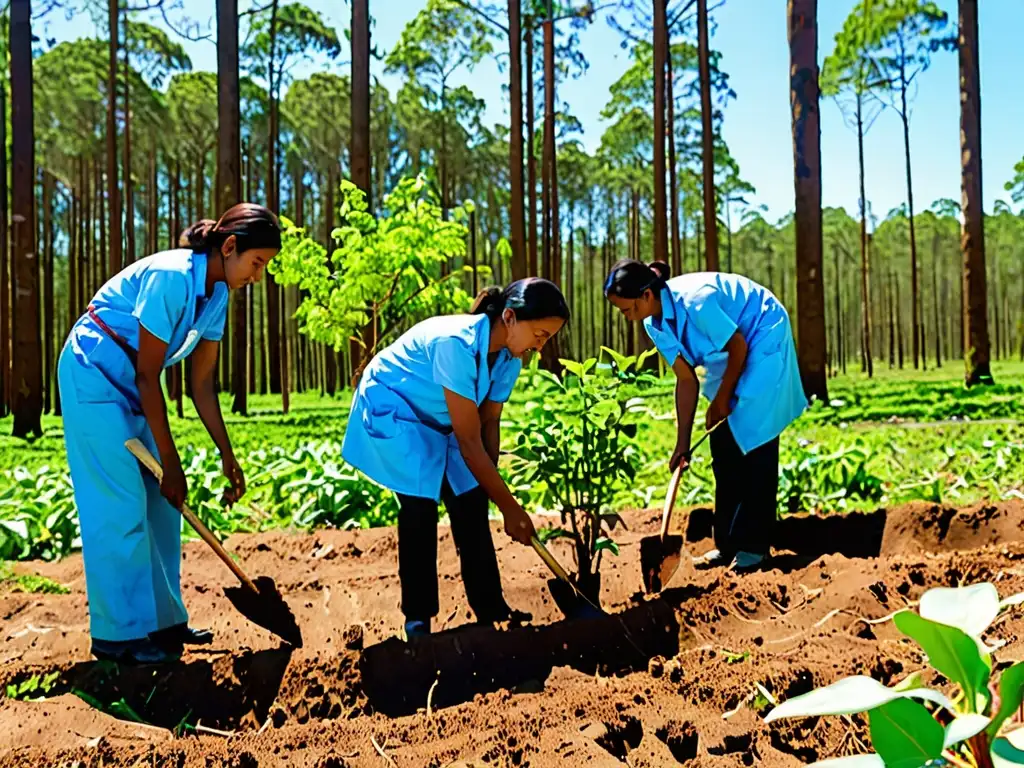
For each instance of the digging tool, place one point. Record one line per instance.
(570, 600)
(660, 555)
(259, 601)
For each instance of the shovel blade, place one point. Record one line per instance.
(570, 603)
(659, 560)
(266, 608)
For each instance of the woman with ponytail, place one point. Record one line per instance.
(741, 335)
(151, 315)
(425, 423)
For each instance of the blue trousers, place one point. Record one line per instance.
(131, 535)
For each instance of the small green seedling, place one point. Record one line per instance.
(905, 733)
(577, 451)
(33, 688)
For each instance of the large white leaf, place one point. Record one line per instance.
(970, 609)
(963, 727)
(849, 695)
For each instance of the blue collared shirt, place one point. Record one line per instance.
(700, 313)
(399, 431)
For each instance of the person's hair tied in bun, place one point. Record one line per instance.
(532, 298)
(253, 226)
(629, 278)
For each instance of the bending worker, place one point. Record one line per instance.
(151, 315)
(425, 423)
(740, 333)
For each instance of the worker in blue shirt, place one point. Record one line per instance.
(425, 423)
(151, 315)
(741, 335)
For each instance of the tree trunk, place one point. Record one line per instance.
(273, 291)
(129, 194)
(515, 145)
(531, 158)
(5, 288)
(113, 188)
(865, 272)
(331, 361)
(360, 151)
(661, 54)
(154, 206)
(915, 300)
(49, 314)
(972, 236)
(673, 181)
(553, 346)
(707, 139)
(27, 381)
(806, 127)
(229, 176)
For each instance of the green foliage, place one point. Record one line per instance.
(319, 113)
(29, 582)
(1016, 186)
(386, 273)
(905, 734)
(38, 520)
(299, 32)
(576, 449)
(33, 688)
(817, 478)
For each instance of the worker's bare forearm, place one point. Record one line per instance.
(737, 350)
(686, 409)
(485, 471)
(208, 408)
(491, 436)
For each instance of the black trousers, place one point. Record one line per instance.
(417, 554)
(746, 487)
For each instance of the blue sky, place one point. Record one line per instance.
(751, 34)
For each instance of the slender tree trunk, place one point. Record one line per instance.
(5, 288)
(915, 300)
(250, 306)
(229, 175)
(360, 152)
(27, 377)
(519, 265)
(661, 55)
(707, 139)
(273, 291)
(531, 157)
(154, 206)
(804, 102)
(972, 238)
(113, 188)
(673, 180)
(49, 314)
(865, 271)
(74, 245)
(129, 194)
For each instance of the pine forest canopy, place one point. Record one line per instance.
(362, 171)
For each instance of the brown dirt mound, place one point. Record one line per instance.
(674, 679)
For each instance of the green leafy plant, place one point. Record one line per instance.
(815, 478)
(386, 273)
(904, 732)
(29, 582)
(577, 449)
(34, 687)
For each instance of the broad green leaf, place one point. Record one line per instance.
(904, 734)
(1005, 754)
(852, 761)
(848, 696)
(576, 369)
(963, 728)
(952, 652)
(605, 543)
(971, 609)
(1011, 695)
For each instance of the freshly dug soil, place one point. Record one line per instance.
(664, 680)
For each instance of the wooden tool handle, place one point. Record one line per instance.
(550, 561)
(670, 499)
(139, 451)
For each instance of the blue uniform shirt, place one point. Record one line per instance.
(165, 293)
(700, 313)
(399, 431)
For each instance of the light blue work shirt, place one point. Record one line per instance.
(166, 294)
(399, 431)
(700, 312)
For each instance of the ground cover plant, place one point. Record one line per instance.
(967, 729)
